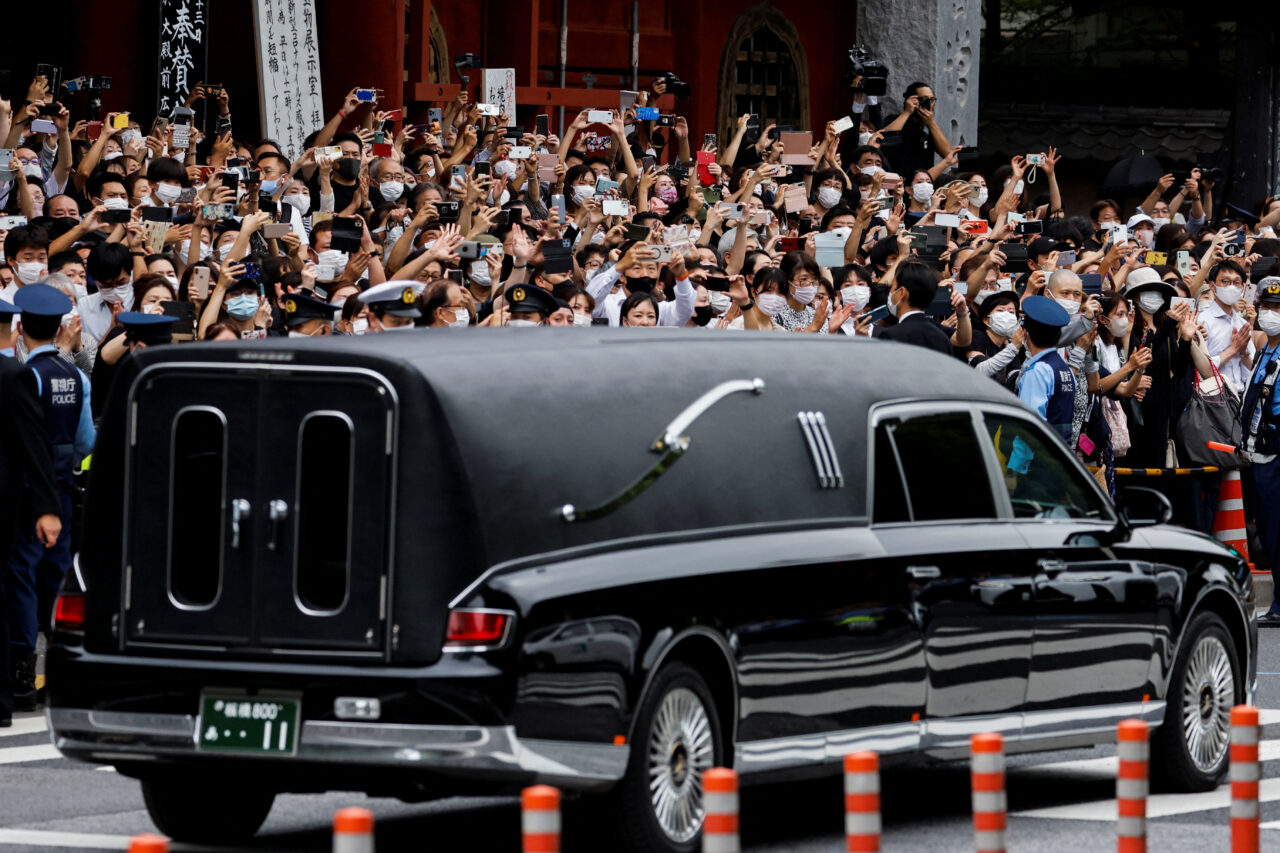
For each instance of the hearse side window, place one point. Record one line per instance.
(931, 451)
(890, 503)
(1040, 480)
(324, 511)
(198, 490)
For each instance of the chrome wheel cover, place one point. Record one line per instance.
(1208, 692)
(680, 750)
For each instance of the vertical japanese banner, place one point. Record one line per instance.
(498, 86)
(184, 50)
(288, 71)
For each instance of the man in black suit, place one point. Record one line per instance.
(27, 483)
(914, 286)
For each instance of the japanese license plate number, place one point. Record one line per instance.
(239, 723)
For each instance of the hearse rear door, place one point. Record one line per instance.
(259, 508)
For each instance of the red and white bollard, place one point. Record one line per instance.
(1245, 773)
(862, 802)
(720, 805)
(540, 819)
(989, 803)
(1133, 749)
(148, 842)
(353, 831)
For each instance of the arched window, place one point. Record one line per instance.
(440, 70)
(764, 71)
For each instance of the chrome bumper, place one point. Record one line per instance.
(478, 752)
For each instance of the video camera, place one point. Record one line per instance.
(874, 73)
(675, 86)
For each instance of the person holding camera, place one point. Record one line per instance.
(922, 138)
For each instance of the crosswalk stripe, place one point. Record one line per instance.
(24, 726)
(1158, 805)
(1268, 750)
(23, 754)
(85, 840)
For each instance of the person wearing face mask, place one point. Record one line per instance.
(1155, 327)
(1142, 230)
(26, 252)
(528, 305)
(307, 317)
(342, 175)
(921, 194)
(1260, 422)
(444, 306)
(637, 271)
(1047, 384)
(583, 306)
(389, 178)
(110, 265)
(1227, 337)
(914, 286)
(971, 208)
(803, 274)
(995, 350)
(168, 178)
(393, 305)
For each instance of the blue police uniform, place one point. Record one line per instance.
(7, 312)
(1047, 383)
(1260, 419)
(64, 391)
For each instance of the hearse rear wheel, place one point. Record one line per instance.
(1190, 750)
(677, 738)
(206, 808)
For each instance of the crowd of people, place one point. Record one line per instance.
(1107, 321)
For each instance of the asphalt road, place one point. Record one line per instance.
(1058, 801)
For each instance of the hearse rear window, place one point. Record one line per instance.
(324, 511)
(927, 453)
(198, 494)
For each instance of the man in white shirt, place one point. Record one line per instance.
(110, 265)
(1227, 330)
(638, 271)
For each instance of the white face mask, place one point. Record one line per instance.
(79, 291)
(1151, 301)
(864, 138)
(922, 192)
(523, 323)
(695, 234)
(168, 193)
(119, 294)
(871, 170)
(1003, 323)
(894, 306)
(1004, 284)
(804, 295)
(173, 281)
(1229, 293)
(857, 295)
(1269, 322)
(185, 249)
(1119, 325)
(828, 197)
(300, 202)
(1146, 237)
(1159, 223)
(480, 273)
(982, 296)
(116, 203)
(582, 192)
(461, 318)
(304, 334)
(32, 170)
(1071, 306)
(224, 250)
(30, 272)
(391, 190)
(581, 319)
(407, 327)
(504, 168)
(360, 326)
(771, 303)
(332, 258)
(720, 302)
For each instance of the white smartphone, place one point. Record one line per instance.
(520, 152)
(488, 109)
(616, 207)
(600, 116)
(842, 124)
(947, 220)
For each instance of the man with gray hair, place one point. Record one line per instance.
(1066, 288)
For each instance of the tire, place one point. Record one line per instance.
(1191, 749)
(678, 736)
(206, 808)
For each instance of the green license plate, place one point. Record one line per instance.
(240, 723)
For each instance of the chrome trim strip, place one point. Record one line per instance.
(818, 462)
(761, 756)
(493, 752)
(831, 449)
(672, 433)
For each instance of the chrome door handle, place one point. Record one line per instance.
(1052, 567)
(239, 511)
(924, 572)
(278, 511)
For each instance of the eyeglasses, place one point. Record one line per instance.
(804, 281)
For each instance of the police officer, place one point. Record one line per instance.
(529, 305)
(8, 338)
(35, 572)
(1260, 418)
(306, 317)
(393, 305)
(1047, 383)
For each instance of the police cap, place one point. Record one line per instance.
(1045, 311)
(299, 308)
(148, 329)
(1269, 291)
(42, 300)
(397, 298)
(530, 299)
(7, 310)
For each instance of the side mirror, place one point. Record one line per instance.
(1143, 507)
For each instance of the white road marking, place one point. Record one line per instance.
(23, 754)
(1105, 768)
(1158, 805)
(83, 840)
(24, 726)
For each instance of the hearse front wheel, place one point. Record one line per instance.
(206, 808)
(677, 738)
(1191, 749)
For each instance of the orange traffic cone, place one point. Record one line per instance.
(1228, 523)
(148, 842)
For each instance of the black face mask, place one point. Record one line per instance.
(643, 284)
(702, 314)
(349, 167)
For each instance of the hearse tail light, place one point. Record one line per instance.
(473, 629)
(68, 612)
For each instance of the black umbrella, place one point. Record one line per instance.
(1133, 174)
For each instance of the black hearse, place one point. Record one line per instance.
(437, 563)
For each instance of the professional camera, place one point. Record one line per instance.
(675, 85)
(874, 73)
